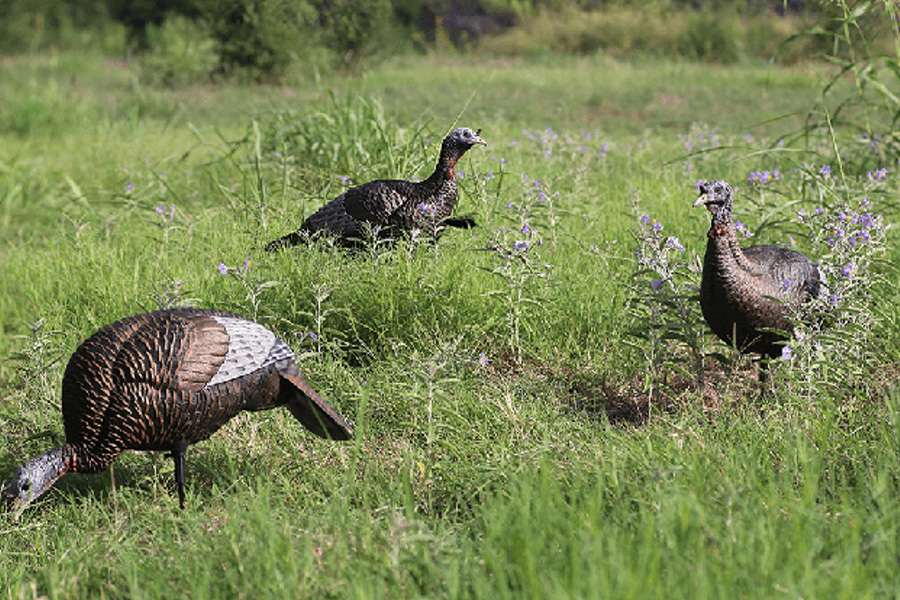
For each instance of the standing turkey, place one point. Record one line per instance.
(162, 381)
(746, 291)
(391, 208)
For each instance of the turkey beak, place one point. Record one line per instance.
(703, 199)
(478, 139)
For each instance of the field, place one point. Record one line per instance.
(524, 430)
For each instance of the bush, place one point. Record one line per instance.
(258, 39)
(355, 29)
(181, 55)
(710, 37)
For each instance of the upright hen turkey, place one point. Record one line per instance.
(745, 291)
(162, 381)
(390, 208)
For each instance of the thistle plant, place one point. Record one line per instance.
(837, 328)
(41, 352)
(171, 294)
(664, 304)
(517, 251)
(323, 338)
(253, 285)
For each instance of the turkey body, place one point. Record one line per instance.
(164, 380)
(392, 208)
(745, 292)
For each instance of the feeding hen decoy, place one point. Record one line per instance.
(745, 292)
(162, 381)
(390, 208)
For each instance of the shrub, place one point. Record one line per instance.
(182, 55)
(354, 29)
(709, 37)
(258, 39)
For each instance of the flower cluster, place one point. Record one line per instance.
(165, 215)
(224, 269)
(426, 209)
(763, 177)
(700, 137)
(877, 174)
(742, 229)
(654, 251)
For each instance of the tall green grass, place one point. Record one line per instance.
(488, 461)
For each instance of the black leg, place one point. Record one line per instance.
(763, 371)
(178, 452)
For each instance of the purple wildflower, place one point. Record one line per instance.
(223, 269)
(848, 270)
(129, 187)
(525, 228)
(877, 174)
(483, 359)
(786, 284)
(521, 246)
(656, 284)
(825, 171)
(674, 244)
(786, 352)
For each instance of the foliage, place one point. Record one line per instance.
(355, 29)
(258, 39)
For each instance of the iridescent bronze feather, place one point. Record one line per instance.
(164, 380)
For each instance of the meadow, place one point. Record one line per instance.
(532, 419)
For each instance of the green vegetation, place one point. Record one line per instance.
(498, 381)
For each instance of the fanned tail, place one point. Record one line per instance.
(312, 410)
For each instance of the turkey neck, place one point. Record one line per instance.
(723, 245)
(445, 171)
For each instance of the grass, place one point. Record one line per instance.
(515, 479)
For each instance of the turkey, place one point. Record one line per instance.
(393, 208)
(745, 291)
(162, 381)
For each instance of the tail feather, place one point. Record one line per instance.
(291, 239)
(313, 411)
(461, 222)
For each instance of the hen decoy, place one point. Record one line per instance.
(391, 208)
(746, 291)
(162, 381)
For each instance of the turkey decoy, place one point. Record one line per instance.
(390, 208)
(745, 292)
(162, 381)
